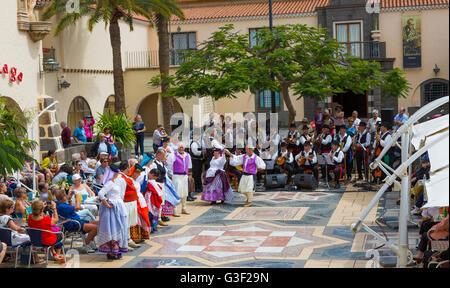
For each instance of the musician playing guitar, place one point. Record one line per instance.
(304, 137)
(306, 160)
(382, 140)
(292, 139)
(377, 173)
(345, 143)
(325, 140)
(337, 158)
(284, 161)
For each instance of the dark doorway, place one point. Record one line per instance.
(351, 102)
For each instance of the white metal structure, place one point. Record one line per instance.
(32, 138)
(406, 132)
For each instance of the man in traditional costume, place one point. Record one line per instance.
(250, 164)
(181, 163)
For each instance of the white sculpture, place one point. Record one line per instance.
(30, 5)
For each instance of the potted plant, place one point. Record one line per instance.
(121, 130)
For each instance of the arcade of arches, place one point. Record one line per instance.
(148, 109)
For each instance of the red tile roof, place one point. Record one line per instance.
(283, 7)
(201, 10)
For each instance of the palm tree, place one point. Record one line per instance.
(162, 24)
(110, 12)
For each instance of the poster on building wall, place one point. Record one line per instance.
(412, 48)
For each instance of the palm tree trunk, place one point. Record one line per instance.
(287, 100)
(114, 34)
(164, 67)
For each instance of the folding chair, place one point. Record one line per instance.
(72, 234)
(36, 242)
(5, 237)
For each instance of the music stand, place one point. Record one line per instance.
(324, 160)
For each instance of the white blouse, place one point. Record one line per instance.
(216, 164)
(112, 191)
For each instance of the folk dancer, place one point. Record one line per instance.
(250, 163)
(362, 144)
(129, 199)
(345, 143)
(337, 158)
(181, 163)
(307, 160)
(142, 229)
(216, 186)
(112, 233)
(284, 161)
(153, 192)
(170, 197)
(324, 141)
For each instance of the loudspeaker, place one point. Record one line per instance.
(305, 181)
(275, 181)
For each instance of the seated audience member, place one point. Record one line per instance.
(63, 174)
(438, 232)
(100, 171)
(78, 169)
(27, 172)
(18, 235)
(84, 192)
(101, 157)
(22, 208)
(101, 146)
(85, 163)
(3, 191)
(39, 221)
(50, 164)
(67, 211)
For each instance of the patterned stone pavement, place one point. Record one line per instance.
(283, 229)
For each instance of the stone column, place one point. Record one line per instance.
(49, 130)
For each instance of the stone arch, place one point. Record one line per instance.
(148, 109)
(440, 87)
(177, 107)
(12, 104)
(78, 109)
(109, 105)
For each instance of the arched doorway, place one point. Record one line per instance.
(177, 107)
(148, 109)
(78, 110)
(12, 104)
(109, 105)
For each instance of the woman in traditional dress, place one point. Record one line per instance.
(152, 194)
(216, 186)
(112, 235)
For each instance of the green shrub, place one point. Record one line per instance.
(120, 125)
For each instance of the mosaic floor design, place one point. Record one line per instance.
(283, 197)
(267, 213)
(218, 245)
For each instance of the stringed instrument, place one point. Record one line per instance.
(377, 172)
(301, 161)
(281, 160)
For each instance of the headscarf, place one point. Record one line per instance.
(135, 168)
(110, 171)
(163, 140)
(146, 159)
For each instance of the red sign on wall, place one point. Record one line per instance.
(13, 76)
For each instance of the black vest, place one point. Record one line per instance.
(192, 154)
(362, 139)
(326, 147)
(163, 172)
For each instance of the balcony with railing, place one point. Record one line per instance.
(368, 50)
(150, 59)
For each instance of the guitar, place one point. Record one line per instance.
(301, 161)
(281, 160)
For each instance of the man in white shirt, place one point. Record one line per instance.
(85, 163)
(345, 143)
(157, 135)
(195, 149)
(287, 166)
(310, 160)
(337, 157)
(181, 163)
(355, 118)
(371, 123)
